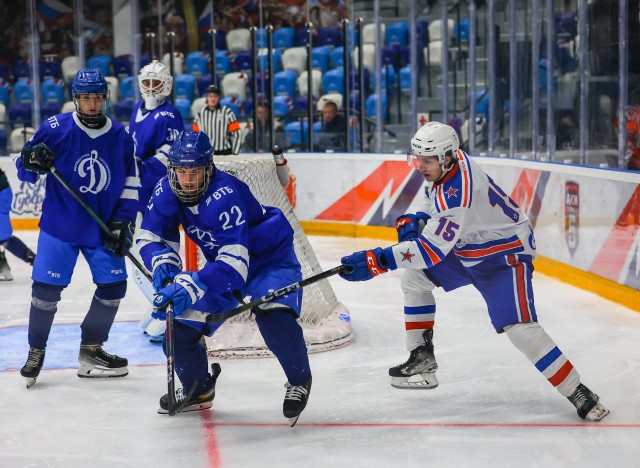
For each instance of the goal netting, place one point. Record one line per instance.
(324, 320)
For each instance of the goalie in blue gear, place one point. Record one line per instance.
(249, 252)
(95, 156)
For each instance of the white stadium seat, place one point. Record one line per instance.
(295, 59)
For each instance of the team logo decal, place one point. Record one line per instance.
(572, 215)
(452, 192)
(95, 171)
(407, 256)
(205, 237)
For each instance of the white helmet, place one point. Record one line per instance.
(158, 83)
(433, 139)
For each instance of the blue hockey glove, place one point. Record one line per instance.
(185, 291)
(409, 226)
(38, 158)
(123, 240)
(166, 264)
(368, 263)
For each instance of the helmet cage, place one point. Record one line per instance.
(191, 197)
(190, 150)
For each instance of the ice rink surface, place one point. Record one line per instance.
(492, 408)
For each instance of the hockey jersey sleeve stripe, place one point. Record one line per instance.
(476, 251)
(235, 250)
(146, 237)
(238, 265)
(132, 182)
(130, 194)
(467, 186)
(430, 252)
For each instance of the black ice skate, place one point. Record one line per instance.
(95, 362)
(295, 400)
(203, 400)
(30, 257)
(419, 371)
(5, 271)
(31, 369)
(587, 403)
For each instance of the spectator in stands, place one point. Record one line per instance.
(219, 123)
(263, 132)
(332, 135)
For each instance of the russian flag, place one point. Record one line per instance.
(205, 19)
(53, 10)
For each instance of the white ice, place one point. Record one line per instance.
(492, 408)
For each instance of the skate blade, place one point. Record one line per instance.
(597, 413)
(196, 407)
(6, 278)
(293, 421)
(88, 371)
(425, 381)
(31, 381)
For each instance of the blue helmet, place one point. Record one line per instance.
(90, 82)
(190, 150)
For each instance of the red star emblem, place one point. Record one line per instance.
(452, 192)
(407, 256)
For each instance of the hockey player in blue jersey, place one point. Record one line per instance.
(7, 240)
(95, 156)
(468, 231)
(154, 126)
(249, 252)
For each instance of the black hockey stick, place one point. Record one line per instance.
(101, 223)
(221, 317)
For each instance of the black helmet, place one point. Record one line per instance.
(212, 89)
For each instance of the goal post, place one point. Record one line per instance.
(324, 320)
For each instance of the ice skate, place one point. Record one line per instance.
(204, 400)
(5, 271)
(587, 403)
(95, 362)
(419, 371)
(31, 369)
(295, 400)
(31, 257)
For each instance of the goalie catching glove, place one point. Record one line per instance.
(122, 239)
(38, 158)
(166, 265)
(367, 263)
(409, 226)
(185, 291)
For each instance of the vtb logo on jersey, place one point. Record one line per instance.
(572, 215)
(204, 236)
(95, 171)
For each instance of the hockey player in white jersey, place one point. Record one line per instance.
(468, 232)
(249, 252)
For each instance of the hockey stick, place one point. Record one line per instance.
(221, 317)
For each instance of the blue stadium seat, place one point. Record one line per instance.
(320, 58)
(145, 59)
(232, 103)
(261, 38)
(422, 33)
(53, 91)
(48, 109)
(3, 140)
(184, 106)
(284, 83)
(124, 109)
(49, 69)
(370, 106)
(20, 111)
(405, 57)
(23, 90)
(282, 106)
(405, 80)
(122, 66)
(482, 102)
(354, 101)
(221, 40)
(388, 79)
(262, 85)
(301, 38)
(301, 102)
(5, 92)
(126, 87)
(354, 81)
(244, 62)
(185, 87)
(21, 69)
(333, 81)
(396, 33)
(203, 83)
(330, 36)
(461, 30)
(263, 61)
(297, 134)
(5, 70)
(197, 63)
(101, 62)
(283, 38)
(317, 129)
(223, 62)
(247, 107)
(337, 58)
(390, 55)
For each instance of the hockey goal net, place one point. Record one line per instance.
(324, 320)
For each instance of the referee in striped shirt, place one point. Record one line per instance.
(219, 123)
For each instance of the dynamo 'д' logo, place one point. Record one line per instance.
(96, 170)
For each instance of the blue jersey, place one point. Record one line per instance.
(153, 132)
(98, 165)
(238, 236)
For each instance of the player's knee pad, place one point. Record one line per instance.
(110, 294)
(417, 288)
(530, 339)
(45, 296)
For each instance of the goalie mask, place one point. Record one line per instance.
(155, 84)
(434, 140)
(191, 167)
(90, 93)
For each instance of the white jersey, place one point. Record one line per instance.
(471, 216)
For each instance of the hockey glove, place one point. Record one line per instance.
(38, 158)
(122, 241)
(166, 265)
(368, 263)
(409, 226)
(185, 291)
